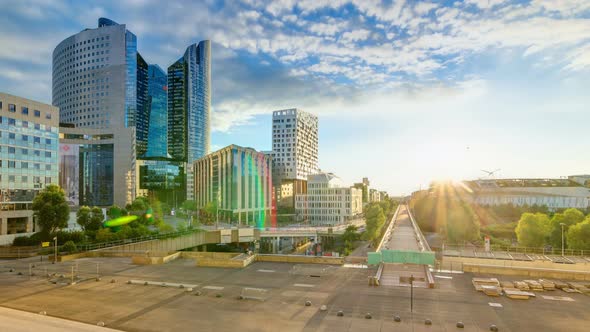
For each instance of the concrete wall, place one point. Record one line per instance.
(457, 261)
(300, 259)
(530, 272)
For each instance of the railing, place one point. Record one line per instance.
(389, 228)
(518, 249)
(35, 250)
(425, 245)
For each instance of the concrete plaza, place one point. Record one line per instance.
(286, 288)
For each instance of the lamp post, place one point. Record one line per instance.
(55, 256)
(562, 240)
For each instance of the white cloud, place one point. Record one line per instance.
(356, 35)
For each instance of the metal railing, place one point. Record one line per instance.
(423, 242)
(519, 249)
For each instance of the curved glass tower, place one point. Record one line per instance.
(157, 142)
(189, 106)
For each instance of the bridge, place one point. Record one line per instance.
(403, 253)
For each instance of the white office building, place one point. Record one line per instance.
(554, 193)
(328, 201)
(294, 152)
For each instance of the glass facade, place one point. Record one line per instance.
(189, 103)
(142, 117)
(96, 174)
(28, 158)
(158, 109)
(69, 172)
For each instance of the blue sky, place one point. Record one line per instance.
(406, 91)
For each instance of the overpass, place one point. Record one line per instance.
(403, 253)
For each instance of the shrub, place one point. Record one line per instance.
(69, 247)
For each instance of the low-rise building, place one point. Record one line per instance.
(28, 160)
(239, 181)
(328, 201)
(554, 193)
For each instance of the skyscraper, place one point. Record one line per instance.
(189, 106)
(157, 142)
(100, 85)
(294, 153)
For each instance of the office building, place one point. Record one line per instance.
(100, 86)
(294, 152)
(365, 187)
(28, 160)
(157, 142)
(239, 181)
(328, 201)
(189, 107)
(554, 193)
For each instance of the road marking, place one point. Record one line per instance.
(213, 287)
(303, 285)
(267, 271)
(443, 277)
(558, 298)
(495, 305)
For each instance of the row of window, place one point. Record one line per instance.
(25, 111)
(23, 165)
(25, 179)
(24, 152)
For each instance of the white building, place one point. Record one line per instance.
(294, 152)
(554, 193)
(327, 201)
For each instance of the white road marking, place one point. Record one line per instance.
(267, 271)
(443, 277)
(558, 298)
(496, 305)
(213, 287)
(303, 285)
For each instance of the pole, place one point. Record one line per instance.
(55, 255)
(412, 293)
(562, 241)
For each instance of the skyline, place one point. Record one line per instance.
(438, 82)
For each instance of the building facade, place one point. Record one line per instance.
(554, 193)
(328, 202)
(239, 180)
(157, 143)
(189, 107)
(294, 152)
(93, 166)
(28, 159)
(100, 83)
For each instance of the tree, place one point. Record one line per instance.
(578, 235)
(189, 206)
(96, 219)
(532, 229)
(51, 209)
(349, 236)
(115, 212)
(83, 217)
(374, 219)
(462, 222)
(569, 217)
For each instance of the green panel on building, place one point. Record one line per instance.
(374, 258)
(411, 257)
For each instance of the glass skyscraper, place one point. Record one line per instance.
(158, 118)
(189, 106)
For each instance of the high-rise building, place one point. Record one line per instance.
(28, 160)
(294, 152)
(327, 201)
(189, 106)
(100, 83)
(239, 181)
(158, 107)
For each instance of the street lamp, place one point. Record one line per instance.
(55, 256)
(562, 240)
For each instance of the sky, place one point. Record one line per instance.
(406, 92)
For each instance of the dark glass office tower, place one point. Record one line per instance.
(142, 115)
(158, 108)
(189, 106)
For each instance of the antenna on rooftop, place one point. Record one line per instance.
(491, 173)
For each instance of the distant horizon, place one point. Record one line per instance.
(406, 92)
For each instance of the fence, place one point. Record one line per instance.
(516, 249)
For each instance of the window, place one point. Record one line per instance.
(37, 139)
(48, 116)
(47, 154)
(24, 110)
(11, 150)
(37, 113)
(24, 179)
(48, 141)
(11, 164)
(25, 151)
(25, 138)
(37, 126)
(11, 178)
(24, 165)
(25, 124)
(11, 135)
(11, 108)
(47, 180)
(48, 167)
(0, 104)
(37, 166)
(37, 153)
(11, 122)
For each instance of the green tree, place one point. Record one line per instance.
(96, 219)
(208, 214)
(115, 212)
(51, 209)
(569, 217)
(69, 247)
(533, 229)
(462, 222)
(375, 219)
(578, 235)
(83, 217)
(189, 207)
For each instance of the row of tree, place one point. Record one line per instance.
(376, 214)
(538, 230)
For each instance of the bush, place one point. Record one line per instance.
(69, 247)
(33, 240)
(74, 236)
